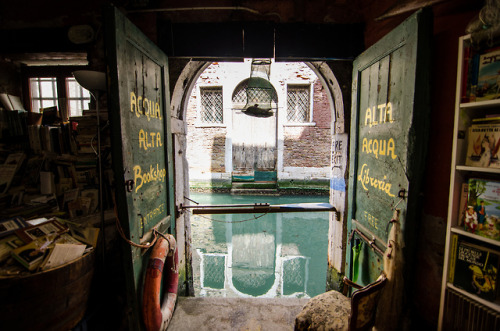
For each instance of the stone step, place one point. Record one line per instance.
(217, 313)
(254, 184)
(254, 191)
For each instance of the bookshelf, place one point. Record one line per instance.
(457, 303)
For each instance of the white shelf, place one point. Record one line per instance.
(481, 104)
(460, 173)
(464, 233)
(489, 304)
(478, 169)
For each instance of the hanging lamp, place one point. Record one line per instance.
(261, 99)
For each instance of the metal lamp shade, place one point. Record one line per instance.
(261, 95)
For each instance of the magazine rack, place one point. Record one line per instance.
(477, 102)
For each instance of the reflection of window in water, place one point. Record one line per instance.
(295, 275)
(269, 257)
(214, 271)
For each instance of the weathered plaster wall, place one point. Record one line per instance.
(303, 149)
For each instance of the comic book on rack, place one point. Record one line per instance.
(488, 80)
(476, 270)
(482, 216)
(483, 145)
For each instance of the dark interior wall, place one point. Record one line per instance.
(10, 81)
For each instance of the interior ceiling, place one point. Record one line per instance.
(378, 16)
(51, 13)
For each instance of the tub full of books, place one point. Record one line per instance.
(46, 271)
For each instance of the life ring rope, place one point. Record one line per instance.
(122, 233)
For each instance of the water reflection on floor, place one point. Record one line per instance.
(276, 255)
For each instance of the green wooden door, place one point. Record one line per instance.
(390, 113)
(139, 111)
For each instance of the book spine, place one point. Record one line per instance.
(464, 196)
(465, 75)
(473, 75)
(453, 258)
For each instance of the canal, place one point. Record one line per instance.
(262, 255)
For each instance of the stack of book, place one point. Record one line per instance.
(42, 244)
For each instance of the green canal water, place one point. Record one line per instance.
(268, 256)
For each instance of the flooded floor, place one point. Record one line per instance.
(281, 255)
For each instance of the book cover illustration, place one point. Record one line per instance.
(483, 145)
(488, 80)
(41, 230)
(476, 270)
(32, 254)
(483, 208)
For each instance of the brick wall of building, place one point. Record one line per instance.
(306, 147)
(309, 146)
(205, 143)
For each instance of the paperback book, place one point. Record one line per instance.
(31, 233)
(488, 80)
(9, 225)
(483, 145)
(32, 254)
(483, 208)
(61, 253)
(476, 270)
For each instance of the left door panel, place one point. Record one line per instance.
(139, 112)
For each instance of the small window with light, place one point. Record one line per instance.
(62, 91)
(78, 97)
(43, 92)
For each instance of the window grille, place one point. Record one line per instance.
(43, 92)
(241, 93)
(78, 97)
(211, 105)
(298, 103)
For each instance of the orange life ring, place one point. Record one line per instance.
(157, 316)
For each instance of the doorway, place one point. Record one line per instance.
(334, 95)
